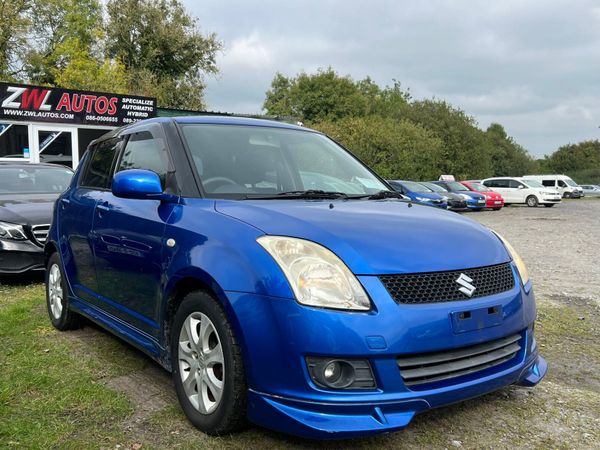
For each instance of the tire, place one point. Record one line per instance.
(496, 209)
(215, 363)
(567, 195)
(549, 205)
(57, 299)
(532, 201)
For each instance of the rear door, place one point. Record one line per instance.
(76, 216)
(128, 235)
(501, 186)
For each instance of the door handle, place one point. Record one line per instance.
(104, 206)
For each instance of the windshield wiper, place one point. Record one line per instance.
(306, 194)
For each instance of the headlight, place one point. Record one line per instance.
(517, 260)
(465, 196)
(12, 231)
(423, 199)
(317, 276)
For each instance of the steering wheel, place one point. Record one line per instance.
(219, 180)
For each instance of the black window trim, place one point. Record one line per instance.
(93, 148)
(157, 131)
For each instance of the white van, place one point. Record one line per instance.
(518, 190)
(565, 185)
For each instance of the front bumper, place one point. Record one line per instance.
(277, 335)
(476, 204)
(494, 203)
(337, 420)
(20, 256)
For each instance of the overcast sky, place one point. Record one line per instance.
(533, 66)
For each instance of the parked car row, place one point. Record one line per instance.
(493, 193)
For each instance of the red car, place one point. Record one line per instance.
(493, 200)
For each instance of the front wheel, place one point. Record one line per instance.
(532, 201)
(207, 365)
(57, 299)
(496, 209)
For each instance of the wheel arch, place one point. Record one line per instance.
(50, 247)
(181, 284)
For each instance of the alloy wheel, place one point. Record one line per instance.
(201, 363)
(55, 291)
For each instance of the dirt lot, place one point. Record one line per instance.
(86, 389)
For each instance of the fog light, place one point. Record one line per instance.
(341, 373)
(332, 372)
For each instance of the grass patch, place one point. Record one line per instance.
(49, 396)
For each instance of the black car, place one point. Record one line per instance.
(456, 201)
(27, 196)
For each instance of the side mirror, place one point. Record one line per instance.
(521, 187)
(139, 184)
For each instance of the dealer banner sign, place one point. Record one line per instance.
(45, 104)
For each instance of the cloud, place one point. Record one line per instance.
(532, 66)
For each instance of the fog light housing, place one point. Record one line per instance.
(337, 373)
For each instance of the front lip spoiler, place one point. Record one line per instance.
(345, 420)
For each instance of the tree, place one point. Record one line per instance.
(14, 28)
(508, 157)
(314, 98)
(65, 30)
(393, 148)
(464, 151)
(161, 47)
(580, 161)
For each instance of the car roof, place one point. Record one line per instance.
(26, 165)
(207, 119)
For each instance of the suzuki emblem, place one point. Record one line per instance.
(466, 287)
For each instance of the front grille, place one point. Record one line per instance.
(445, 365)
(432, 287)
(40, 233)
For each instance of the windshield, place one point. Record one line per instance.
(30, 180)
(247, 161)
(533, 183)
(415, 187)
(435, 187)
(479, 187)
(570, 182)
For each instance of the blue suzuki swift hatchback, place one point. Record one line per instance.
(282, 281)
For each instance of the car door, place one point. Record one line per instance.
(518, 191)
(76, 215)
(128, 236)
(500, 186)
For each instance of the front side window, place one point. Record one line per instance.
(532, 183)
(562, 184)
(34, 179)
(99, 170)
(144, 151)
(478, 187)
(249, 161)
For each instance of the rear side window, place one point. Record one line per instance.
(144, 151)
(497, 183)
(549, 183)
(99, 170)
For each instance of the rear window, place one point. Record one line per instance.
(39, 180)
